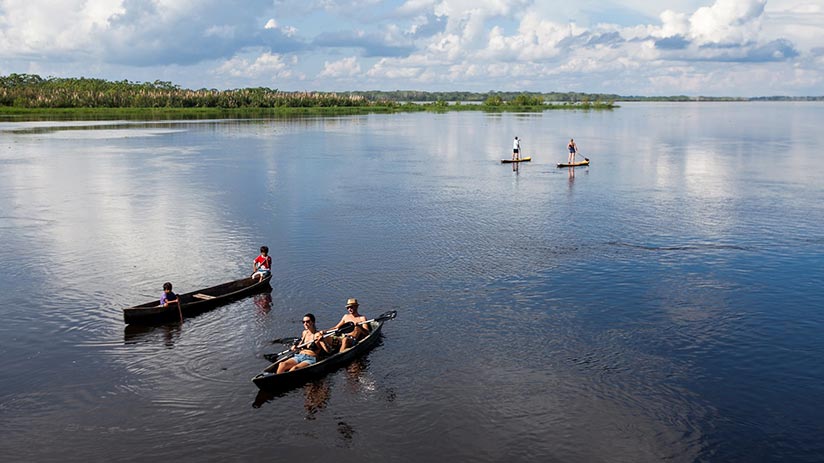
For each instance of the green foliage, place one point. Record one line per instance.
(528, 100)
(29, 91)
(32, 91)
(493, 100)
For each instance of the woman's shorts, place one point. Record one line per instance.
(301, 358)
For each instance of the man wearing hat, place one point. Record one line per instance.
(352, 315)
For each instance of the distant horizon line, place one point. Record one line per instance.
(618, 97)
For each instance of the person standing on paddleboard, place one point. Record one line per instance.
(573, 149)
(516, 149)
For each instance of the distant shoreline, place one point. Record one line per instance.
(9, 113)
(31, 97)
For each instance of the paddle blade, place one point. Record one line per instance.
(389, 315)
(347, 327)
(277, 356)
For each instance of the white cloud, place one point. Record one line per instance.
(727, 22)
(393, 69)
(265, 65)
(801, 22)
(346, 67)
(288, 31)
(630, 47)
(674, 24)
(536, 39)
(46, 27)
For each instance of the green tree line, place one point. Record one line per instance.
(33, 91)
(503, 97)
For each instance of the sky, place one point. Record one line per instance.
(626, 47)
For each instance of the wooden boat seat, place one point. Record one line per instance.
(203, 296)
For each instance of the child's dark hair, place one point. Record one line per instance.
(167, 286)
(264, 249)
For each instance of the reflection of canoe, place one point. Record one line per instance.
(195, 302)
(270, 380)
(585, 162)
(519, 160)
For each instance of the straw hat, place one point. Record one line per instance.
(352, 302)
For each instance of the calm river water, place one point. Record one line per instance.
(664, 303)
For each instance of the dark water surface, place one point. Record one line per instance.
(663, 304)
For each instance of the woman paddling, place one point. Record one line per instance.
(308, 354)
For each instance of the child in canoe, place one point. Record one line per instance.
(167, 296)
(262, 265)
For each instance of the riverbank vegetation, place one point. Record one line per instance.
(32, 95)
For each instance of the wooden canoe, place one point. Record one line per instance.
(196, 302)
(527, 159)
(269, 380)
(585, 162)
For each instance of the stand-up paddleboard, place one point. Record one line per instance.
(585, 162)
(518, 160)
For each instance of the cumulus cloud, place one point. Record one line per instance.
(535, 39)
(726, 31)
(52, 28)
(423, 26)
(136, 32)
(674, 24)
(475, 45)
(394, 69)
(288, 31)
(346, 67)
(266, 65)
(727, 22)
(587, 45)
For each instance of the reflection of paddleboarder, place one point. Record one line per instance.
(516, 149)
(573, 149)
